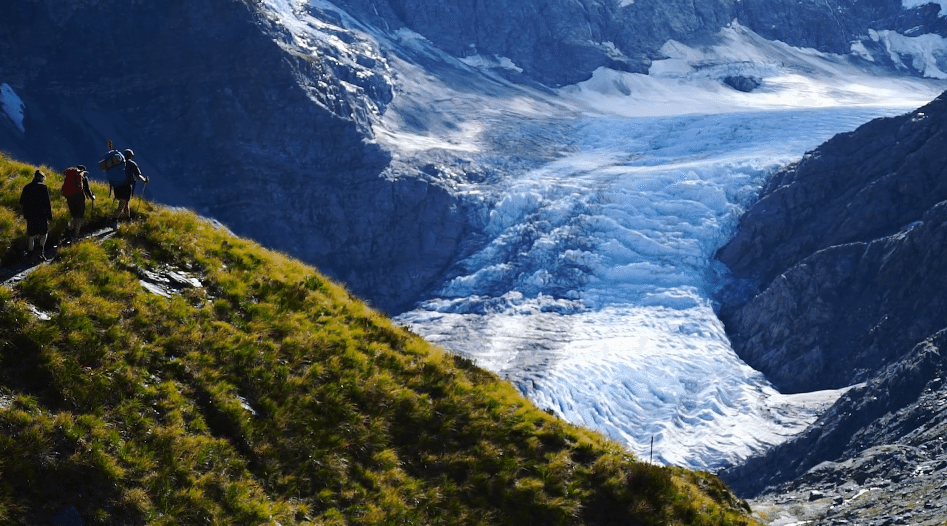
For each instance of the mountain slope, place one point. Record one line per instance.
(840, 282)
(272, 142)
(175, 374)
(844, 247)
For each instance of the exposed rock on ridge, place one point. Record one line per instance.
(845, 249)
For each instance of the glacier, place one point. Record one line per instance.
(592, 288)
(594, 294)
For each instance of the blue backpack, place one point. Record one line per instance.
(114, 166)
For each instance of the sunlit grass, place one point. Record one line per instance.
(270, 395)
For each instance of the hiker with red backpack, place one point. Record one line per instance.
(75, 187)
(34, 202)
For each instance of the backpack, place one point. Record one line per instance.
(111, 160)
(72, 181)
(114, 166)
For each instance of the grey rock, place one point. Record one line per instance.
(556, 42)
(742, 83)
(838, 281)
(560, 42)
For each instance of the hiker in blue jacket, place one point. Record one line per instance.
(34, 201)
(123, 192)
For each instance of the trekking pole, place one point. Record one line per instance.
(141, 196)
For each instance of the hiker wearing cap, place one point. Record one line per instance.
(75, 187)
(123, 192)
(34, 202)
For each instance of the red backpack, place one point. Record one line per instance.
(72, 184)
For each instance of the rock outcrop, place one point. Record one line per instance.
(839, 280)
(877, 455)
(556, 42)
(844, 251)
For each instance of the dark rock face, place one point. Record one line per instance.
(834, 26)
(843, 257)
(845, 249)
(556, 42)
(227, 121)
(561, 42)
(887, 434)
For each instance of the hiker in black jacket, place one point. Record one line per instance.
(124, 192)
(34, 201)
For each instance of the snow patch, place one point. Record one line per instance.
(927, 53)
(911, 4)
(689, 80)
(12, 106)
(494, 62)
(859, 49)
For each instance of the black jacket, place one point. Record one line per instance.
(34, 202)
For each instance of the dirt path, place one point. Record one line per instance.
(13, 274)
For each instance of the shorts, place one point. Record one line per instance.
(76, 204)
(123, 192)
(37, 227)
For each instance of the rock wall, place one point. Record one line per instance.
(559, 42)
(885, 437)
(839, 280)
(556, 42)
(843, 252)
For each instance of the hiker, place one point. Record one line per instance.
(34, 201)
(76, 189)
(123, 192)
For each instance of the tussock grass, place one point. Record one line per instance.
(271, 396)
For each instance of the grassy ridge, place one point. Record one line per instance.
(270, 396)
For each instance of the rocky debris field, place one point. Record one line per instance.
(886, 485)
